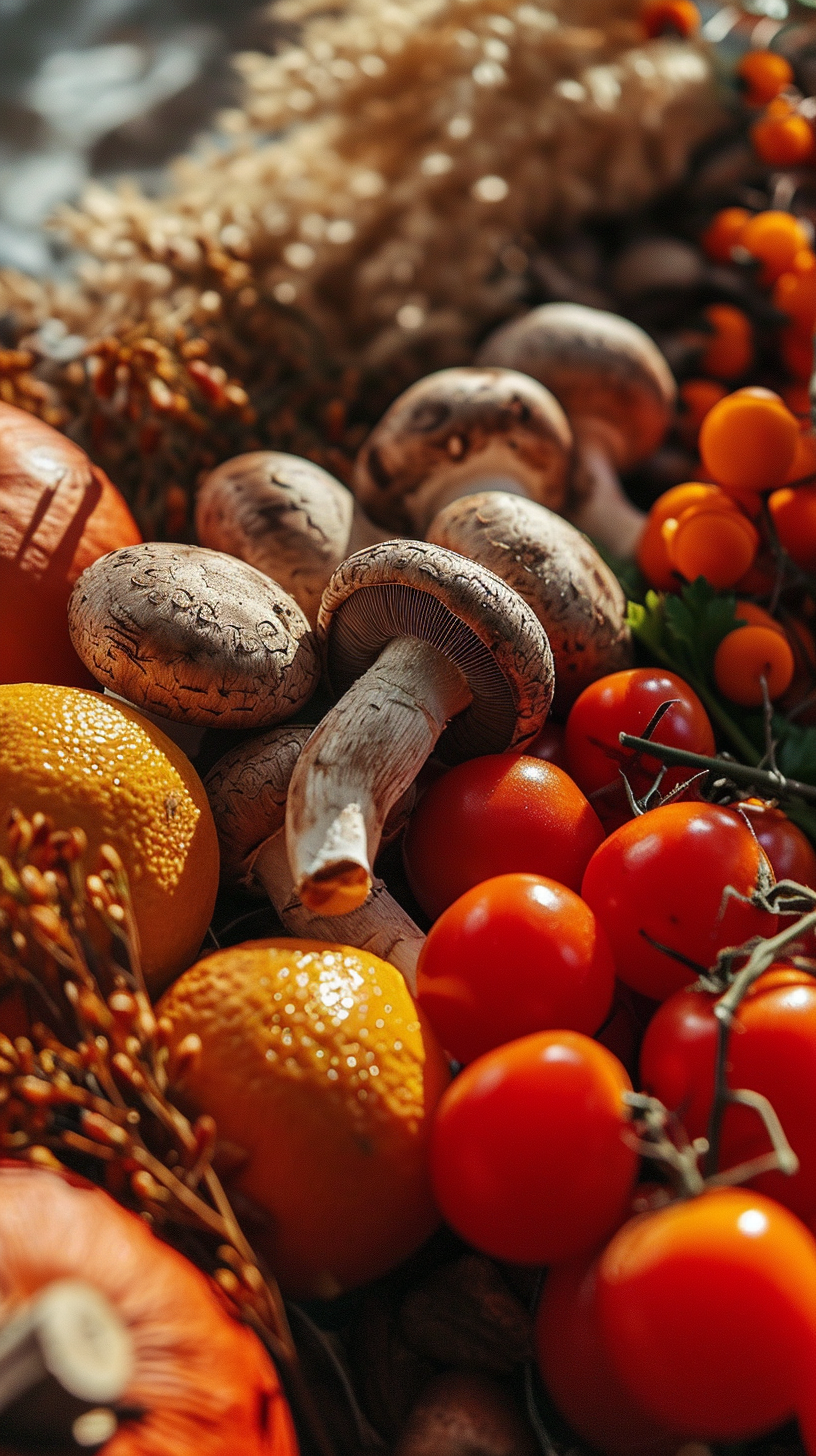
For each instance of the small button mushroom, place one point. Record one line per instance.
(424, 646)
(617, 391)
(193, 635)
(577, 599)
(287, 517)
(459, 431)
(247, 791)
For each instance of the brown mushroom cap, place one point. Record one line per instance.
(194, 635)
(284, 515)
(604, 370)
(459, 426)
(577, 599)
(414, 589)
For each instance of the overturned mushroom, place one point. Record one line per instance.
(286, 516)
(617, 391)
(247, 791)
(193, 635)
(459, 431)
(424, 646)
(577, 599)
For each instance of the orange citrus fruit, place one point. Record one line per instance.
(87, 761)
(316, 1063)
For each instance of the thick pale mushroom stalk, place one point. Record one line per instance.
(287, 517)
(460, 431)
(429, 649)
(618, 393)
(362, 757)
(602, 509)
(247, 791)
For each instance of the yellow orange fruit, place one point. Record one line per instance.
(87, 761)
(316, 1063)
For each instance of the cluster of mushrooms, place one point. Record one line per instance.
(450, 601)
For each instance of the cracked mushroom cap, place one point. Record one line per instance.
(577, 599)
(284, 515)
(416, 589)
(603, 370)
(459, 426)
(194, 635)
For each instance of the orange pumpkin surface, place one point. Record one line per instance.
(203, 1381)
(58, 513)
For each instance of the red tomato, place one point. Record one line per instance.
(516, 954)
(579, 1374)
(664, 876)
(772, 1050)
(708, 1313)
(497, 815)
(624, 702)
(790, 852)
(550, 744)
(528, 1158)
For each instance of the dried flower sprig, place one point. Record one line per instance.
(88, 1090)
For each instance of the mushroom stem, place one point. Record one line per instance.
(379, 925)
(358, 761)
(65, 1357)
(603, 512)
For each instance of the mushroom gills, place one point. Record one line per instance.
(375, 615)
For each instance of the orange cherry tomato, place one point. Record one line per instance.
(774, 238)
(652, 552)
(696, 398)
(764, 74)
(745, 657)
(783, 141)
(717, 544)
(660, 17)
(793, 511)
(748, 440)
(724, 233)
(730, 349)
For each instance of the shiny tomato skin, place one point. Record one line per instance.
(772, 1050)
(514, 955)
(578, 1372)
(790, 852)
(624, 702)
(528, 1158)
(708, 1312)
(664, 875)
(497, 815)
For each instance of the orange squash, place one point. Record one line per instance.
(203, 1382)
(58, 513)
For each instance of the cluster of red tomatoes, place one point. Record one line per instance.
(553, 944)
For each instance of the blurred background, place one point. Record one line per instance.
(105, 87)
